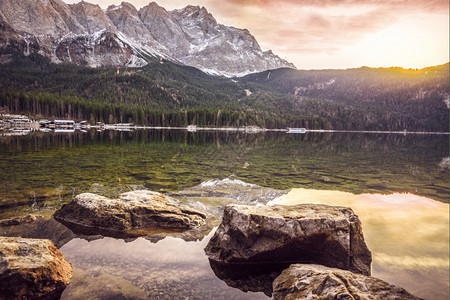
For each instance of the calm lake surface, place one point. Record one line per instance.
(397, 184)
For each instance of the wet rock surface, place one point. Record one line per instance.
(32, 268)
(135, 213)
(301, 281)
(306, 233)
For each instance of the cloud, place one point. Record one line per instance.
(417, 5)
(307, 26)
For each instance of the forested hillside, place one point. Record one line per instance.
(172, 95)
(363, 98)
(157, 95)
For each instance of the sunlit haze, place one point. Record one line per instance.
(335, 34)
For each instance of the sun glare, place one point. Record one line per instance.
(414, 42)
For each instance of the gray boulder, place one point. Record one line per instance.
(135, 213)
(306, 233)
(318, 282)
(32, 268)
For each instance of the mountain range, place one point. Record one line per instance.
(86, 35)
(55, 62)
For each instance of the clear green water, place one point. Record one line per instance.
(42, 171)
(45, 170)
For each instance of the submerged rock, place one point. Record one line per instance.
(301, 281)
(30, 218)
(134, 213)
(231, 190)
(212, 196)
(32, 268)
(99, 284)
(306, 233)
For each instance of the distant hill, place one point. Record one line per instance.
(363, 98)
(168, 94)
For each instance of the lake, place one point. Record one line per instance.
(397, 184)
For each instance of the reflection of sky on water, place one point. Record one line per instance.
(168, 269)
(407, 234)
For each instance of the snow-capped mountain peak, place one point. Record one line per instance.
(84, 34)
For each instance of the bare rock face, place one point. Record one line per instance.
(164, 29)
(133, 30)
(306, 233)
(92, 17)
(24, 15)
(8, 33)
(318, 282)
(32, 268)
(126, 19)
(128, 215)
(68, 16)
(99, 49)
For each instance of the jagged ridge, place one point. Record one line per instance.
(85, 34)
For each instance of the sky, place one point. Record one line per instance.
(335, 34)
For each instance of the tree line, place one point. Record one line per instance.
(44, 105)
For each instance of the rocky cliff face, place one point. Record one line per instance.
(34, 17)
(85, 34)
(92, 17)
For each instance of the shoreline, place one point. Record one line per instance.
(8, 123)
(257, 130)
(25, 131)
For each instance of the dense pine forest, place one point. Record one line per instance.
(172, 95)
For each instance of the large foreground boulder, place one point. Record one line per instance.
(306, 233)
(32, 268)
(132, 211)
(301, 281)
